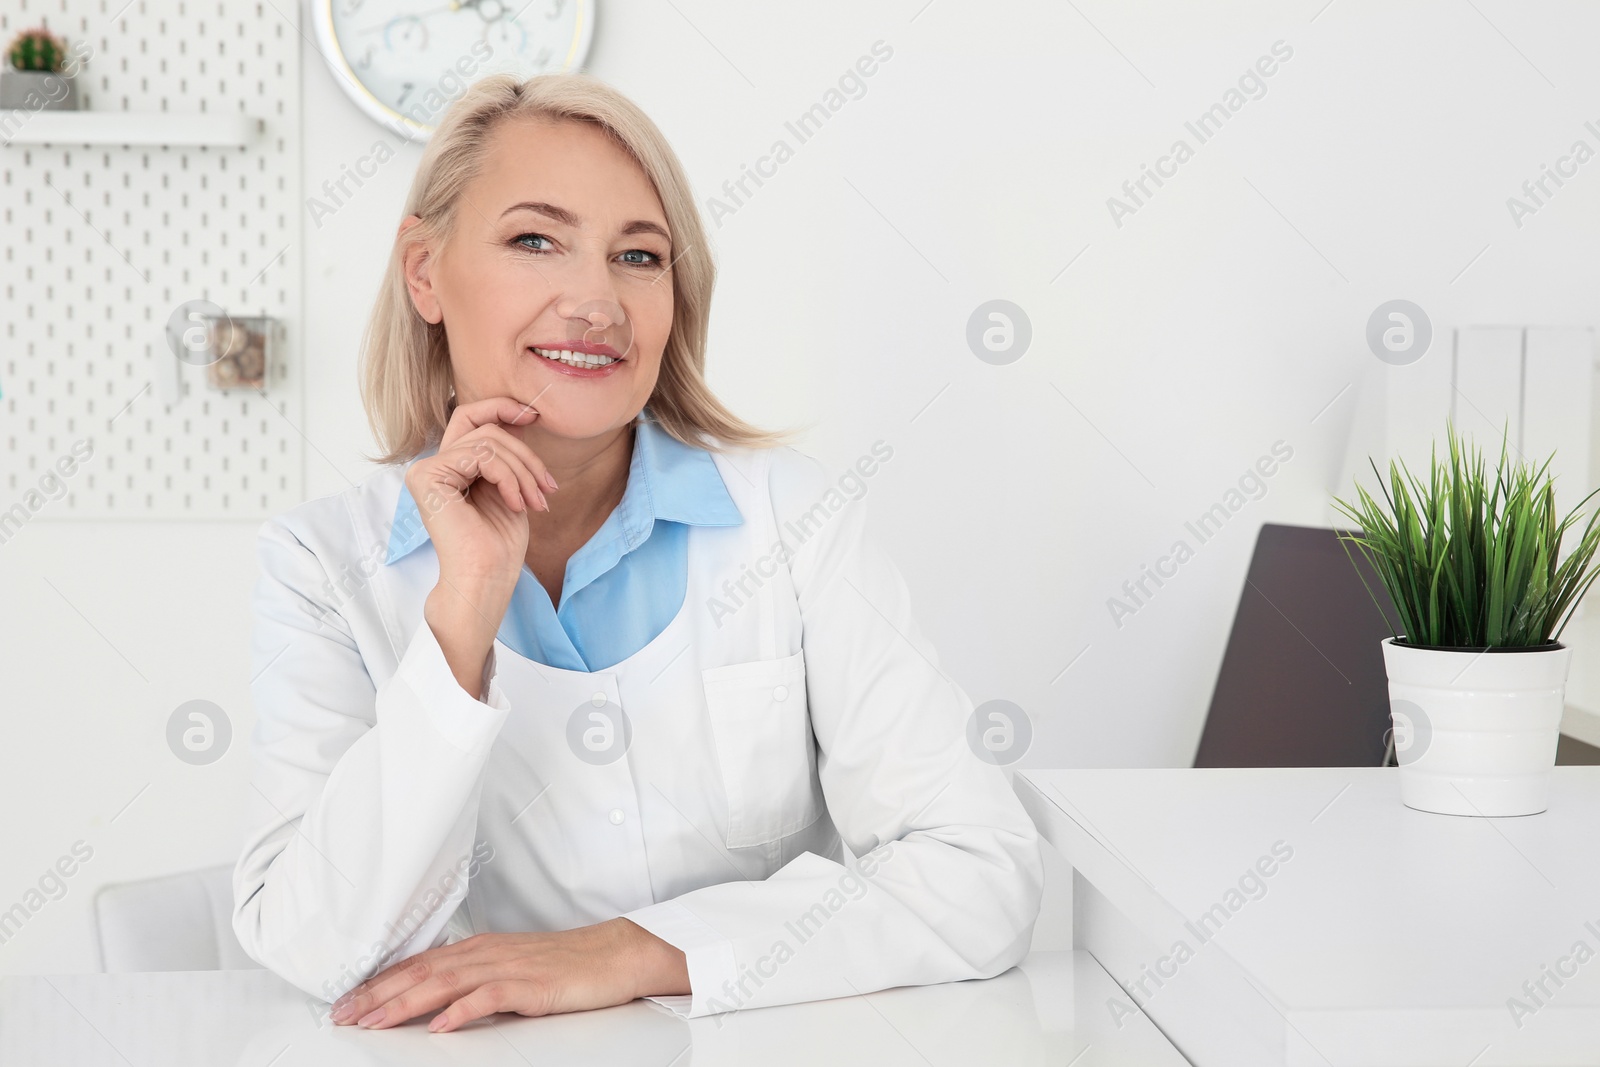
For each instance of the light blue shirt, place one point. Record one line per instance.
(627, 582)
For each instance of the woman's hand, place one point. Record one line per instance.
(483, 466)
(531, 974)
(473, 496)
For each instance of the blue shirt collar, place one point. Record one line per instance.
(667, 479)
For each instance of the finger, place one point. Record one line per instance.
(488, 998)
(444, 986)
(468, 461)
(501, 436)
(468, 417)
(392, 978)
(494, 440)
(361, 999)
(497, 470)
(401, 977)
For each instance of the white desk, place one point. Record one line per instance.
(1389, 936)
(1049, 1010)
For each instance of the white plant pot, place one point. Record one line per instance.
(1475, 732)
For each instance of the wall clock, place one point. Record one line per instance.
(404, 63)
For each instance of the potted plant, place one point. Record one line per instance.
(33, 78)
(1477, 680)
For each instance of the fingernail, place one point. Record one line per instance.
(545, 503)
(342, 1012)
(437, 1024)
(372, 1018)
(552, 480)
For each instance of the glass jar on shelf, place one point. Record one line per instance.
(240, 351)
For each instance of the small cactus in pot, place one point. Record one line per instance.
(33, 78)
(36, 50)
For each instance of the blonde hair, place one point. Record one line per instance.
(406, 378)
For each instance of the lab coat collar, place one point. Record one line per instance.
(667, 479)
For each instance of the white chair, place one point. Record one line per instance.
(179, 922)
(1535, 383)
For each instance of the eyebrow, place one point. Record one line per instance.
(567, 218)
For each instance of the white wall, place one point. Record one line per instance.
(1223, 316)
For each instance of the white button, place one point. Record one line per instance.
(598, 700)
(780, 693)
(616, 816)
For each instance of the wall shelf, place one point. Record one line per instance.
(126, 128)
(179, 180)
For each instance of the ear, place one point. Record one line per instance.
(417, 257)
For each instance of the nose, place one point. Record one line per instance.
(601, 322)
(598, 318)
(589, 302)
(588, 281)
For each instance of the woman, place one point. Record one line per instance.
(591, 656)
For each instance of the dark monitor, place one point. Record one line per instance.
(1302, 682)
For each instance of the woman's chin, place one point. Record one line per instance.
(578, 419)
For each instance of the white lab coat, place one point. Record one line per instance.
(792, 706)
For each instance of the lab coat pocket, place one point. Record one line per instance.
(762, 729)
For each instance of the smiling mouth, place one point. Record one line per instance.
(575, 358)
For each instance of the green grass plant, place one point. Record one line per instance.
(1470, 557)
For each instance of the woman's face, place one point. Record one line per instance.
(560, 245)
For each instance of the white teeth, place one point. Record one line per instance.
(574, 359)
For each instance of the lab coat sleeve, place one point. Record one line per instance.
(949, 877)
(363, 799)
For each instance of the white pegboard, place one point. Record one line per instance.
(99, 245)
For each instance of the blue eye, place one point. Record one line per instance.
(650, 258)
